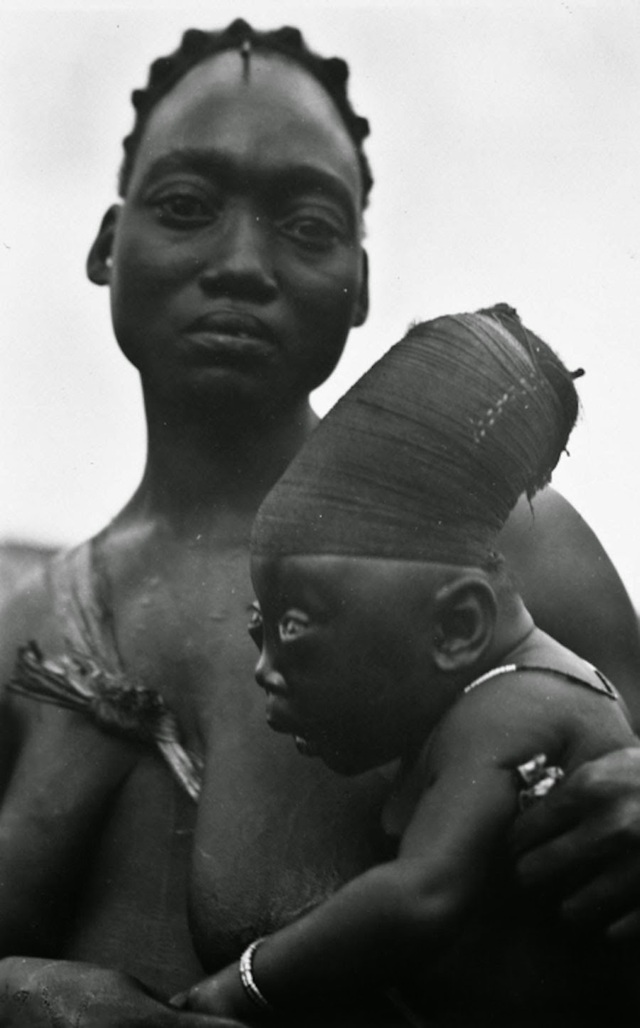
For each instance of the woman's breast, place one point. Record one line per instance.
(276, 833)
(132, 909)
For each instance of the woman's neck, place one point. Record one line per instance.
(197, 467)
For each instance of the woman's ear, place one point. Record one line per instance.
(464, 621)
(99, 259)
(362, 305)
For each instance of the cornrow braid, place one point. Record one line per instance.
(197, 45)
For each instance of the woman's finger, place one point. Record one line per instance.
(626, 928)
(609, 895)
(545, 820)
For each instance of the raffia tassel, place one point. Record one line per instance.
(76, 681)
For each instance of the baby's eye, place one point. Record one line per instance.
(292, 625)
(254, 627)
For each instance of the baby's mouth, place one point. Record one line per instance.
(280, 718)
(305, 746)
(277, 711)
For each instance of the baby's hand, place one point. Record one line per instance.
(221, 995)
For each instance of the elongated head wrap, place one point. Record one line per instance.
(426, 455)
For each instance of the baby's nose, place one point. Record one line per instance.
(267, 677)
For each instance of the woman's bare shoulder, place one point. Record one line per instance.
(540, 525)
(31, 604)
(573, 590)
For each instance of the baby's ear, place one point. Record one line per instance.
(464, 621)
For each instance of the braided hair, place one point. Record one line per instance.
(197, 45)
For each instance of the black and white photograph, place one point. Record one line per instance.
(319, 569)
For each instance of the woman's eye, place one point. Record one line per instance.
(254, 627)
(291, 626)
(183, 209)
(313, 233)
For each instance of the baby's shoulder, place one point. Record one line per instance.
(496, 722)
(518, 710)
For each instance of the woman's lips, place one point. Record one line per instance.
(231, 335)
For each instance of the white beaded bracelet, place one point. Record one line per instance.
(249, 982)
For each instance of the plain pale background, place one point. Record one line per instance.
(506, 152)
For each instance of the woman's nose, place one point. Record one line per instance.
(241, 260)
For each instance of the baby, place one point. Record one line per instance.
(389, 631)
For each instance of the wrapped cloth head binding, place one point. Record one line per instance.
(427, 454)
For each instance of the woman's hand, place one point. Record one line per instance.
(584, 839)
(38, 993)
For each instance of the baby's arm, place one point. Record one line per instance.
(366, 936)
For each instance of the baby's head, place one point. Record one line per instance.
(374, 558)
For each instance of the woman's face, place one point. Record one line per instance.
(345, 655)
(237, 263)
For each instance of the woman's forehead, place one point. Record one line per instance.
(274, 107)
(283, 78)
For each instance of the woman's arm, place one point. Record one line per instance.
(65, 773)
(585, 840)
(589, 831)
(36, 993)
(58, 772)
